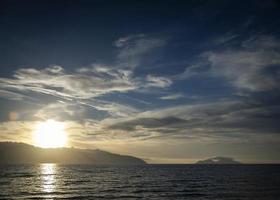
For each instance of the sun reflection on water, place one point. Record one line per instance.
(48, 172)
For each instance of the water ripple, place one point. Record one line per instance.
(50, 181)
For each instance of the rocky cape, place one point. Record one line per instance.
(21, 153)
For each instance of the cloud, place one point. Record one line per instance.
(234, 120)
(124, 41)
(18, 131)
(157, 81)
(228, 121)
(133, 48)
(172, 96)
(148, 122)
(84, 110)
(115, 110)
(55, 69)
(228, 37)
(55, 81)
(77, 89)
(253, 66)
(13, 95)
(64, 111)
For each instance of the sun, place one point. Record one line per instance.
(50, 134)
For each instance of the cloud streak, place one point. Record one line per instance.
(223, 119)
(172, 96)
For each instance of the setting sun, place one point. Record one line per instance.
(50, 134)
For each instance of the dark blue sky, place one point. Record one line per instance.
(170, 81)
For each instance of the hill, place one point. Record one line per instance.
(20, 153)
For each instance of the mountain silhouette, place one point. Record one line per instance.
(218, 160)
(21, 153)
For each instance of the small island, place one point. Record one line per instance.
(218, 160)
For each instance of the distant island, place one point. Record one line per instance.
(21, 153)
(218, 160)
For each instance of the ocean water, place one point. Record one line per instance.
(51, 181)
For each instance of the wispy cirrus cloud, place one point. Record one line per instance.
(85, 83)
(76, 85)
(253, 66)
(77, 90)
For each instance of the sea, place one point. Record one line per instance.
(54, 181)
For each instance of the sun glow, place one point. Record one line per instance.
(50, 134)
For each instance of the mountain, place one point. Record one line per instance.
(20, 153)
(218, 160)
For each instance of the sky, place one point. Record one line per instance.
(166, 81)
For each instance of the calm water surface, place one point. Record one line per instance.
(51, 181)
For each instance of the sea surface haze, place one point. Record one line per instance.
(52, 181)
